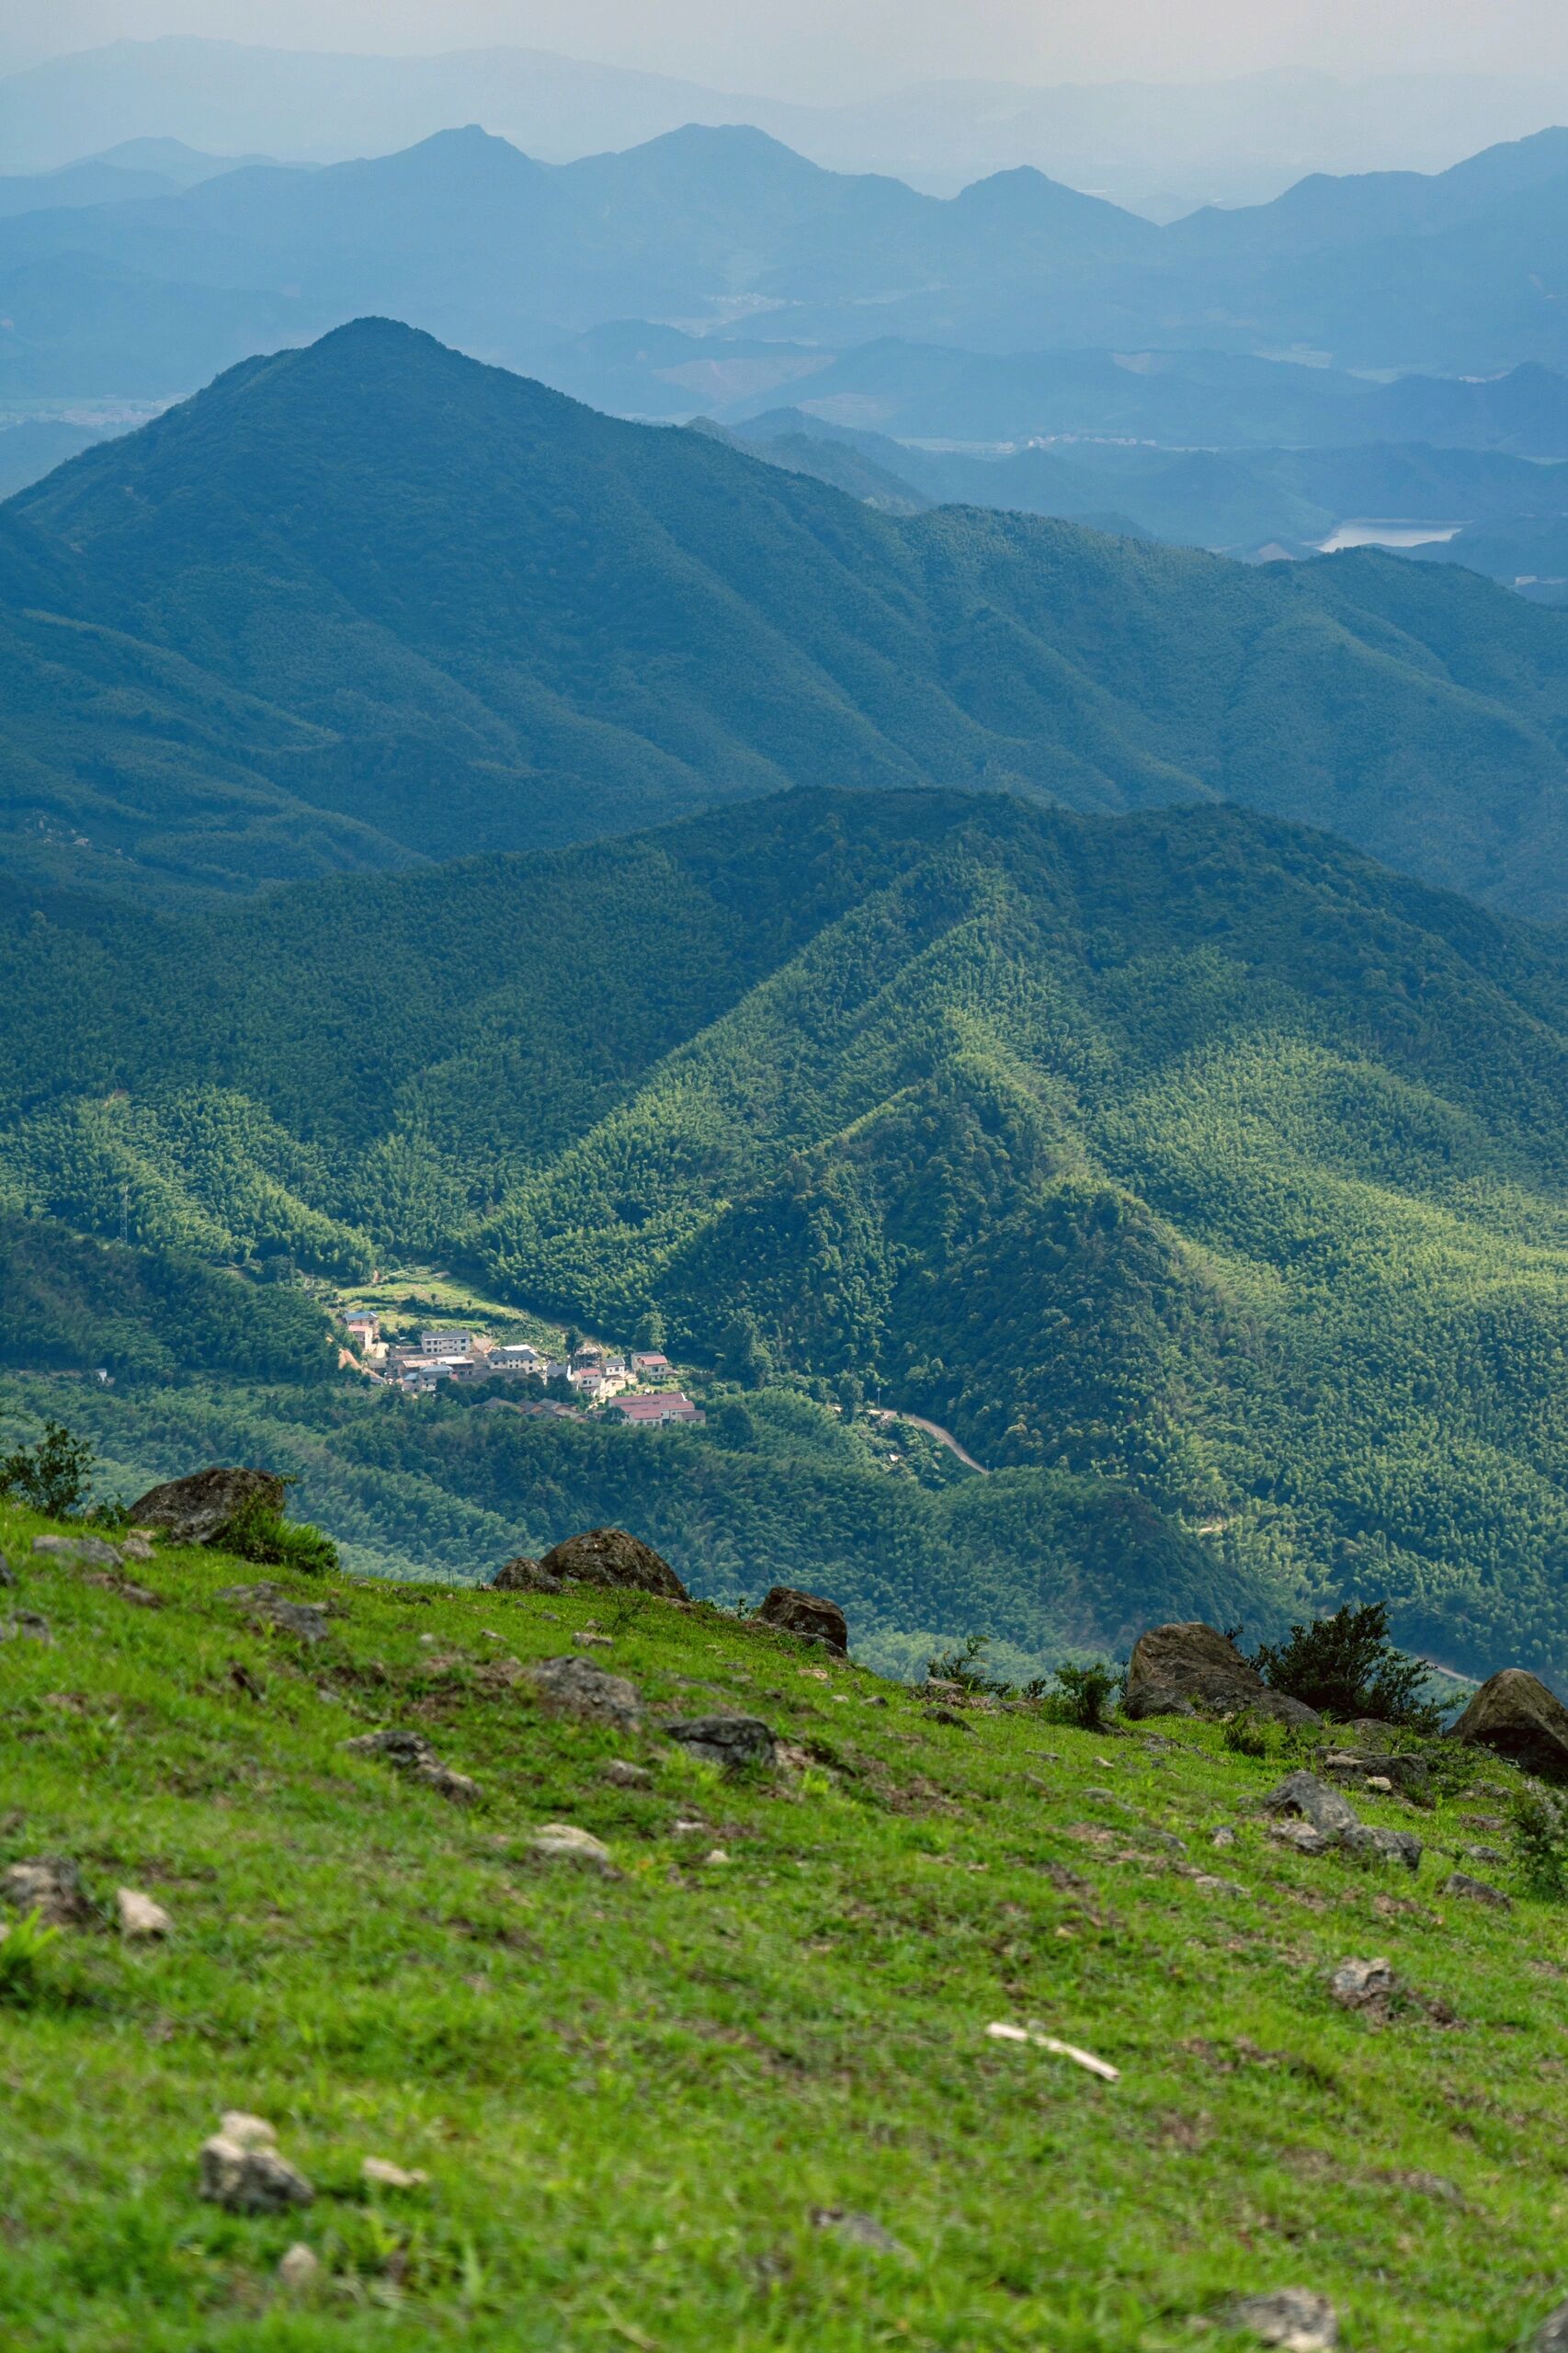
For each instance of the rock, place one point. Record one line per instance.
(562, 1842)
(135, 1548)
(123, 1589)
(732, 1742)
(622, 1774)
(196, 1510)
(1314, 1802)
(52, 1888)
(608, 1556)
(1206, 1884)
(8, 1574)
(1174, 1670)
(246, 2176)
(1370, 1732)
(27, 1626)
(140, 1916)
(1362, 1985)
(1294, 2319)
(410, 1753)
(1303, 1837)
(300, 2269)
(307, 1620)
(1484, 1854)
(1224, 1836)
(857, 2230)
(1552, 2337)
(811, 1614)
(90, 1552)
(380, 2173)
(249, 2132)
(1476, 1891)
(1518, 1716)
(524, 1575)
(591, 1639)
(1387, 1845)
(576, 1687)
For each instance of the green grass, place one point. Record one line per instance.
(629, 2093)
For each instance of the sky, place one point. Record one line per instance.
(823, 48)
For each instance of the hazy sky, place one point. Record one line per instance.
(821, 48)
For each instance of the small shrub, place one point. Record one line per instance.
(259, 1533)
(1082, 1694)
(51, 1475)
(1346, 1666)
(967, 1668)
(1540, 1842)
(1251, 1735)
(24, 1960)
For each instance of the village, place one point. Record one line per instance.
(640, 1388)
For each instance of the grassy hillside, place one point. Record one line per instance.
(1183, 1152)
(630, 2093)
(571, 626)
(776, 1488)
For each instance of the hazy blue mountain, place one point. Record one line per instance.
(72, 327)
(173, 161)
(75, 186)
(372, 602)
(1159, 148)
(1237, 502)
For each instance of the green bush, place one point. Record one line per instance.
(1540, 1842)
(1346, 1666)
(24, 1954)
(52, 1476)
(259, 1533)
(1082, 1694)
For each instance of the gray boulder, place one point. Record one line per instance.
(1477, 1890)
(524, 1575)
(196, 1510)
(811, 1614)
(1310, 1800)
(1386, 1846)
(575, 1686)
(52, 1888)
(273, 1606)
(1293, 2319)
(608, 1556)
(1552, 2337)
(1515, 1715)
(409, 1753)
(730, 1742)
(1179, 1669)
(243, 2172)
(91, 1552)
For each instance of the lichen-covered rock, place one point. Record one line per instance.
(608, 1556)
(730, 1742)
(1294, 2320)
(197, 1509)
(51, 1887)
(1176, 1670)
(90, 1551)
(1476, 1891)
(1552, 2337)
(243, 2172)
(273, 1606)
(563, 1842)
(810, 1614)
(576, 1687)
(1518, 1716)
(524, 1575)
(1303, 1795)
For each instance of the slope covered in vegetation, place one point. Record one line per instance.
(371, 603)
(1181, 1151)
(733, 2083)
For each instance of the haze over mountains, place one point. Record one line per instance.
(372, 602)
(1155, 147)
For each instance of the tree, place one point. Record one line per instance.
(1346, 1666)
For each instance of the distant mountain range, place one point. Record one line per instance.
(1157, 148)
(894, 298)
(372, 602)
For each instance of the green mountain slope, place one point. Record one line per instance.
(735, 2085)
(370, 602)
(1181, 1151)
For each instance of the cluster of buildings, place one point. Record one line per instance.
(634, 1386)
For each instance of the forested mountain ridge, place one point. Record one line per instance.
(371, 603)
(1179, 1150)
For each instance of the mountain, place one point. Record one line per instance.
(1235, 501)
(1182, 1151)
(372, 602)
(33, 448)
(1159, 148)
